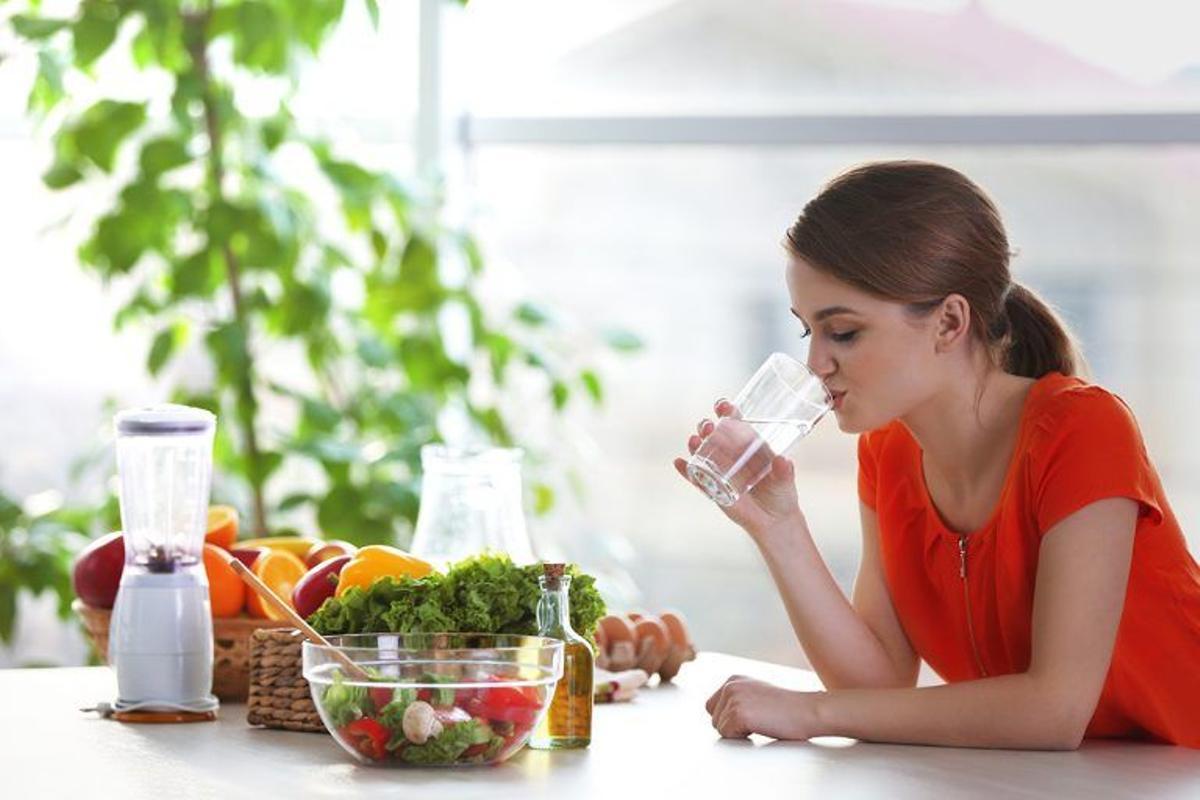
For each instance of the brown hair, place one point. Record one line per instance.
(915, 232)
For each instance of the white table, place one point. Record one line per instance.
(658, 746)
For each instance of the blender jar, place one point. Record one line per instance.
(164, 464)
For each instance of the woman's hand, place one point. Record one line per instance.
(772, 504)
(743, 706)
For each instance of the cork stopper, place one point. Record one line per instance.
(553, 573)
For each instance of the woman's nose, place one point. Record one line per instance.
(820, 362)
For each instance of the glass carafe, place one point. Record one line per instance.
(471, 501)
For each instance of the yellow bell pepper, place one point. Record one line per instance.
(379, 561)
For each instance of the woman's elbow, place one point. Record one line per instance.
(1074, 731)
(1070, 724)
(1055, 737)
(1071, 739)
(1063, 714)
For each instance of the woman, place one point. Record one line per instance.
(1015, 534)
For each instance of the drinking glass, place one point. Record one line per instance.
(778, 406)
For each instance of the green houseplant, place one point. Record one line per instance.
(346, 274)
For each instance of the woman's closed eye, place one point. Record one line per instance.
(842, 337)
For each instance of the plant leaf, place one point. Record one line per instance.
(532, 314)
(47, 90)
(60, 176)
(591, 382)
(622, 340)
(543, 498)
(160, 351)
(34, 28)
(95, 31)
(162, 155)
(561, 394)
(100, 130)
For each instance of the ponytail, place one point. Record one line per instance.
(1038, 341)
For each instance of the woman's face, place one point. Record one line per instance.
(877, 359)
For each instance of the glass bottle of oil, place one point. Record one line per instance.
(568, 723)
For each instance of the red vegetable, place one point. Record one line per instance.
(473, 751)
(317, 585)
(516, 704)
(380, 696)
(368, 737)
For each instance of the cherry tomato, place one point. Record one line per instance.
(510, 704)
(380, 697)
(368, 737)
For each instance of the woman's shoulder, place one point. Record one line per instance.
(1072, 421)
(1058, 403)
(1084, 444)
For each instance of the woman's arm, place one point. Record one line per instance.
(1083, 571)
(859, 645)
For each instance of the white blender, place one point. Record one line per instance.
(160, 640)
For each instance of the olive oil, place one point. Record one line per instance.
(568, 722)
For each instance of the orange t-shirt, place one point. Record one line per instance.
(1077, 443)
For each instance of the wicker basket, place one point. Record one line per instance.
(279, 695)
(231, 647)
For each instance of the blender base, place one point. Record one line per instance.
(159, 717)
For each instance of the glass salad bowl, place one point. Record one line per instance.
(433, 699)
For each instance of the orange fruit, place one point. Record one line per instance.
(281, 571)
(226, 592)
(222, 526)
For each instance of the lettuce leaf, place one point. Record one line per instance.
(447, 746)
(482, 594)
(343, 702)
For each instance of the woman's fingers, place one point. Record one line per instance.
(782, 468)
(681, 468)
(715, 699)
(711, 705)
(730, 726)
(705, 427)
(724, 408)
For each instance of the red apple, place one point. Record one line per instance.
(323, 551)
(317, 585)
(98, 569)
(248, 555)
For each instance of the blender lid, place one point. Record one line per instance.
(164, 420)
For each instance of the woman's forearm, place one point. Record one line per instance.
(841, 647)
(1007, 711)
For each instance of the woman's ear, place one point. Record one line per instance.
(952, 323)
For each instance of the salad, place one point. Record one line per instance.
(432, 725)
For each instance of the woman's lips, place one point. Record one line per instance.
(837, 399)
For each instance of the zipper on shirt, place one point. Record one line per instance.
(962, 573)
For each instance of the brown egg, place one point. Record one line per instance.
(601, 649)
(653, 643)
(621, 642)
(682, 650)
(680, 636)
